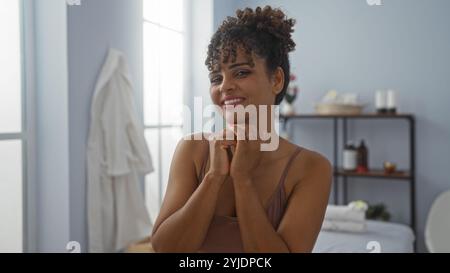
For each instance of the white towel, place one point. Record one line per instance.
(344, 213)
(345, 226)
(354, 212)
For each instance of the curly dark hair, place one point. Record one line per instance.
(263, 31)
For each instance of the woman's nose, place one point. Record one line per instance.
(227, 85)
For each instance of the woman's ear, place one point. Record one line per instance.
(278, 81)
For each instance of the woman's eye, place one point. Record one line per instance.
(215, 80)
(241, 73)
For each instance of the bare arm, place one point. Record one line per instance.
(258, 234)
(187, 209)
(185, 230)
(302, 220)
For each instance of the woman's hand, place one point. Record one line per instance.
(218, 145)
(247, 155)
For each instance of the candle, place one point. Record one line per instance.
(380, 101)
(390, 101)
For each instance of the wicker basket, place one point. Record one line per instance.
(338, 109)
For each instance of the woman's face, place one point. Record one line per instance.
(240, 83)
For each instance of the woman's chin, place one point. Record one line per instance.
(232, 120)
(232, 117)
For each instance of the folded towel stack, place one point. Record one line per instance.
(350, 218)
(348, 226)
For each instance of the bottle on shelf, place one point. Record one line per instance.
(350, 157)
(363, 155)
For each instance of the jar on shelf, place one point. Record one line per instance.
(350, 157)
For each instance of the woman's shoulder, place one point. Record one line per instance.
(196, 147)
(194, 141)
(309, 163)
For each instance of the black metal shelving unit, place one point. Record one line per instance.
(400, 175)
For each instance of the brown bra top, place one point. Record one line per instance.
(224, 235)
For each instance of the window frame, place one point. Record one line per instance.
(160, 126)
(22, 135)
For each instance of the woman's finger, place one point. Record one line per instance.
(223, 139)
(228, 134)
(246, 132)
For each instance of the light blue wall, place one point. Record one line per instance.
(93, 27)
(222, 9)
(52, 222)
(200, 31)
(353, 47)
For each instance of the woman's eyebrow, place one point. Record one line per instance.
(238, 64)
(213, 73)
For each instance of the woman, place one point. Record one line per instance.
(259, 201)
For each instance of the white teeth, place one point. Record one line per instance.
(233, 101)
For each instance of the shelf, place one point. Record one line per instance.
(341, 121)
(375, 174)
(361, 116)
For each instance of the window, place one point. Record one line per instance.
(11, 128)
(164, 44)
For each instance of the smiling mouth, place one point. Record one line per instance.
(233, 102)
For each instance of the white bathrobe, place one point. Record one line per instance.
(116, 154)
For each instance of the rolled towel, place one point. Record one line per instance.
(353, 212)
(344, 213)
(344, 226)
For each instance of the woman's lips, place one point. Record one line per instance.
(232, 101)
